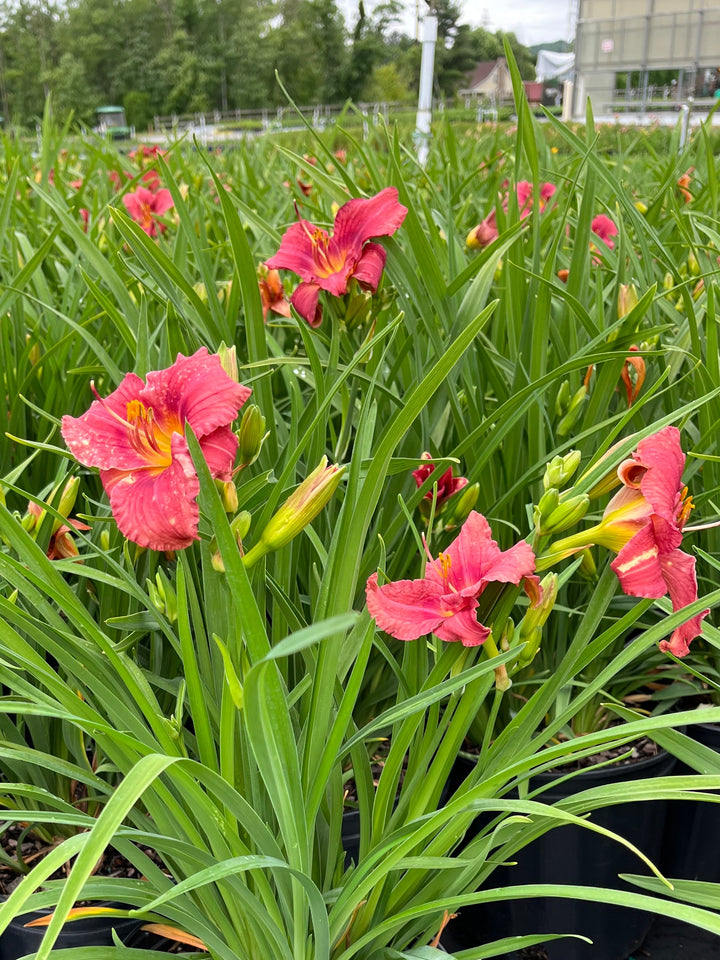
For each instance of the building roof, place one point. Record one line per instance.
(482, 71)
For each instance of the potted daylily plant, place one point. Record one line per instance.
(215, 633)
(241, 807)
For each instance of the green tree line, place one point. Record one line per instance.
(181, 56)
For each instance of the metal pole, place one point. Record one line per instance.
(427, 66)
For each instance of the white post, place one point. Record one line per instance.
(686, 109)
(567, 101)
(427, 65)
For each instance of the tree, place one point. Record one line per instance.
(312, 61)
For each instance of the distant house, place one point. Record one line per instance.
(491, 78)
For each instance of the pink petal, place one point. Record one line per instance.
(296, 251)
(370, 266)
(485, 232)
(463, 627)
(195, 389)
(476, 559)
(219, 449)
(679, 642)
(638, 567)
(679, 572)
(662, 455)
(132, 204)
(546, 191)
(408, 609)
(162, 201)
(524, 191)
(100, 437)
(305, 301)
(604, 228)
(157, 510)
(358, 220)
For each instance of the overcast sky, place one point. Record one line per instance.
(533, 21)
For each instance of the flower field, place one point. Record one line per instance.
(320, 469)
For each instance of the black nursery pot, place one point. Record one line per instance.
(573, 855)
(690, 851)
(350, 837)
(19, 940)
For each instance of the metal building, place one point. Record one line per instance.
(615, 36)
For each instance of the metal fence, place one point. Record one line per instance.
(275, 118)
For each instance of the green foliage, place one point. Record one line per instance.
(164, 58)
(138, 109)
(217, 713)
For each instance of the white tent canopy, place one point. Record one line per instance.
(552, 65)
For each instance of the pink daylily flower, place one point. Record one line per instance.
(653, 507)
(145, 207)
(486, 232)
(603, 227)
(447, 484)
(272, 293)
(61, 545)
(524, 192)
(643, 524)
(135, 436)
(445, 600)
(329, 261)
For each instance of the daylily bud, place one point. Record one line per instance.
(167, 596)
(562, 400)
(668, 281)
(567, 514)
(228, 359)
(34, 355)
(561, 469)
(699, 287)
(547, 505)
(228, 495)
(574, 411)
(300, 508)
(587, 567)
(641, 207)
(155, 597)
(251, 435)
(240, 526)
(201, 290)
(530, 631)
(693, 265)
(105, 540)
(563, 275)
(28, 521)
(67, 500)
(498, 271)
(627, 299)
(359, 304)
(464, 504)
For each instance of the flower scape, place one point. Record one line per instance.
(328, 528)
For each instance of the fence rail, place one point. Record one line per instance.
(273, 118)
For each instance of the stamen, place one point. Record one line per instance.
(445, 562)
